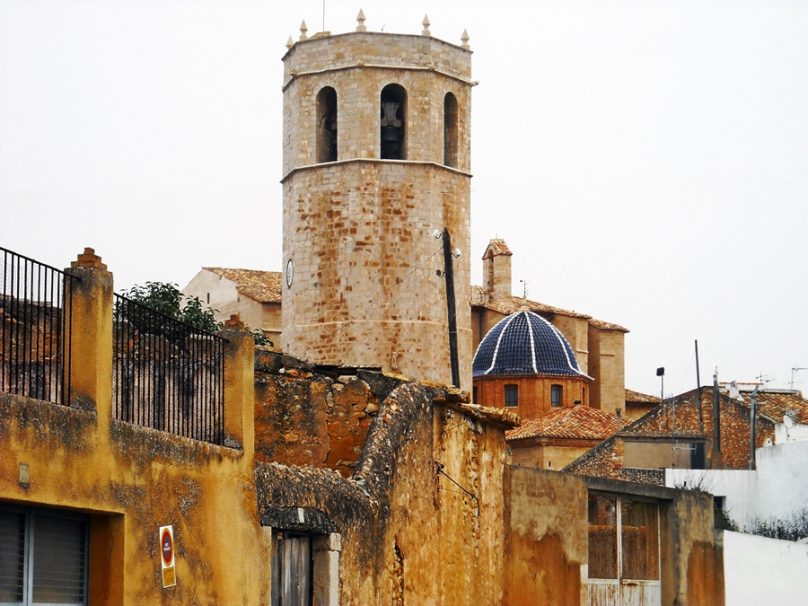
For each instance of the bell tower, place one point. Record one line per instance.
(376, 147)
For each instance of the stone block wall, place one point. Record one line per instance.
(368, 287)
(303, 418)
(358, 66)
(606, 362)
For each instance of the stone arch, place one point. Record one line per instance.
(450, 130)
(327, 125)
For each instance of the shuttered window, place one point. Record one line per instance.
(12, 557)
(43, 558)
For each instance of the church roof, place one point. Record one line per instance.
(524, 343)
(497, 247)
(479, 298)
(576, 423)
(263, 286)
(641, 398)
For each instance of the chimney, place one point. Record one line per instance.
(497, 272)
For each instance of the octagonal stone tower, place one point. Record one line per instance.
(376, 149)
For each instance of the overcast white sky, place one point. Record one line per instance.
(646, 160)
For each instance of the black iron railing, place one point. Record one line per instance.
(167, 374)
(35, 336)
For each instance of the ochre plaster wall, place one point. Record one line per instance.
(421, 514)
(545, 537)
(271, 323)
(546, 454)
(698, 556)
(131, 480)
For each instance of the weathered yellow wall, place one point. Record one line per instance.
(271, 323)
(410, 534)
(132, 480)
(699, 553)
(545, 537)
(137, 480)
(546, 456)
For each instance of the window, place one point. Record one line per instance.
(292, 570)
(623, 539)
(474, 394)
(327, 125)
(556, 395)
(43, 557)
(602, 537)
(450, 130)
(393, 123)
(511, 395)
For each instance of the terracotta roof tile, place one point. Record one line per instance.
(641, 398)
(263, 286)
(607, 325)
(578, 422)
(775, 405)
(479, 297)
(497, 247)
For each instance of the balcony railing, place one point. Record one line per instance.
(167, 374)
(35, 336)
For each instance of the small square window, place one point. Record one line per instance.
(511, 395)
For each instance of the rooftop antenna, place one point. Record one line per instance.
(524, 289)
(323, 15)
(752, 428)
(698, 388)
(763, 379)
(793, 370)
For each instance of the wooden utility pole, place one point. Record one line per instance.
(448, 272)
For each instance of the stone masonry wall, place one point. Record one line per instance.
(359, 231)
(420, 516)
(607, 364)
(365, 285)
(352, 64)
(304, 418)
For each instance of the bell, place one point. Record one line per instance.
(390, 134)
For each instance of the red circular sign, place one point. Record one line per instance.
(167, 546)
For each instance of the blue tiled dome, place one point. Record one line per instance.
(524, 343)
